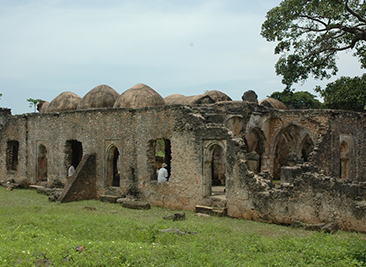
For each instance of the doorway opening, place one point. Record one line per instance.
(113, 175)
(73, 153)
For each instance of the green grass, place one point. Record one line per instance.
(36, 231)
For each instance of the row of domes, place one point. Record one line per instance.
(140, 95)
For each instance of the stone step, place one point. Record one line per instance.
(108, 198)
(221, 212)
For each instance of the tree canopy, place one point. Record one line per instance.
(297, 100)
(345, 93)
(311, 32)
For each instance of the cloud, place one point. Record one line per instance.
(185, 47)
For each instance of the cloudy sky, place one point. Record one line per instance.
(174, 46)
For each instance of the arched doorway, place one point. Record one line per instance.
(290, 144)
(42, 164)
(218, 166)
(113, 174)
(255, 141)
(73, 153)
(214, 168)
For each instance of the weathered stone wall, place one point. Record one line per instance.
(194, 132)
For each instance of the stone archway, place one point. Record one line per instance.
(290, 144)
(255, 141)
(41, 163)
(214, 167)
(113, 173)
(307, 146)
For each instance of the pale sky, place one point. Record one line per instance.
(174, 46)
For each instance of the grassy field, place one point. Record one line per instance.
(36, 232)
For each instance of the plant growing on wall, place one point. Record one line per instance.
(33, 103)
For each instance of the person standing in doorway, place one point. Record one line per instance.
(163, 173)
(71, 170)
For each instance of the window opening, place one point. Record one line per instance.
(160, 152)
(12, 155)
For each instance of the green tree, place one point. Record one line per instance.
(297, 100)
(345, 93)
(311, 32)
(33, 103)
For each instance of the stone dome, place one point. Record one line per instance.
(42, 106)
(139, 96)
(218, 96)
(102, 96)
(272, 103)
(175, 99)
(63, 102)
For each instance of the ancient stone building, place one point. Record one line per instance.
(258, 160)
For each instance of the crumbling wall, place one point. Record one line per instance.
(82, 184)
(311, 198)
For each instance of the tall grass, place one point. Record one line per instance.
(35, 232)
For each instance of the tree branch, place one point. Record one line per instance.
(354, 13)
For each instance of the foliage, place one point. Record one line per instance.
(297, 100)
(1, 95)
(36, 232)
(311, 32)
(345, 93)
(33, 103)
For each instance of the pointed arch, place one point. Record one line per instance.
(306, 147)
(291, 139)
(255, 141)
(214, 165)
(112, 164)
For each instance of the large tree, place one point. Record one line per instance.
(345, 93)
(311, 32)
(297, 100)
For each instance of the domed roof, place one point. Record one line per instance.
(139, 96)
(174, 99)
(42, 106)
(199, 99)
(272, 103)
(63, 102)
(218, 96)
(102, 96)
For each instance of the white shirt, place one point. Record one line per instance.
(162, 175)
(71, 171)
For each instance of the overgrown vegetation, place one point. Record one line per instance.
(36, 232)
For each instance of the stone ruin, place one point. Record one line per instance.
(245, 159)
